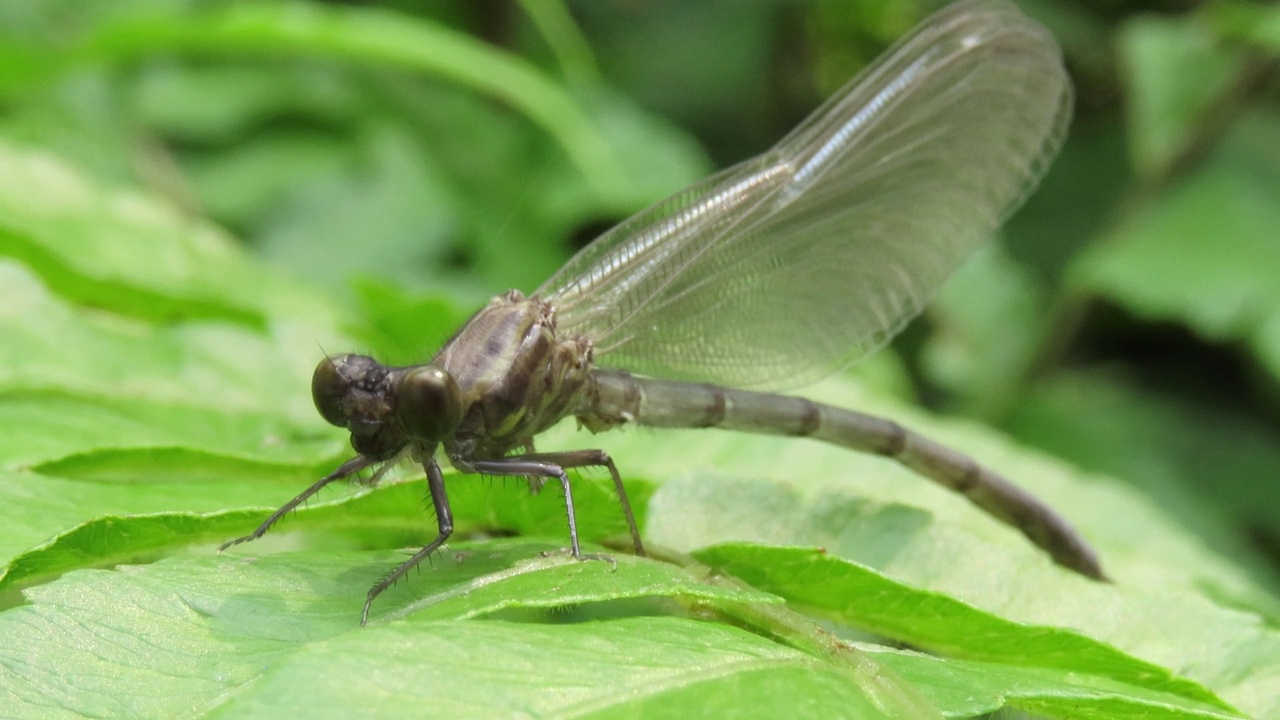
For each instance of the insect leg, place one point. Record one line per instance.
(444, 519)
(348, 468)
(553, 465)
(596, 458)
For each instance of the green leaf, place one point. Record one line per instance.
(972, 688)
(1204, 253)
(142, 519)
(1256, 22)
(1210, 468)
(119, 251)
(222, 367)
(438, 181)
(52, 425)
(375, 36)
(177, 100)
(305, 127)
(387, 190)
(564, 37)
(1176, 70)
(854, 595)
(886, 569)
(250, 638)
(637, 667)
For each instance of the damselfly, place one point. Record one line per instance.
(768, 275)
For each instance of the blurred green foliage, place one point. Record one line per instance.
(402, 161)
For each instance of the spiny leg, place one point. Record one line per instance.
(535, 483)
(444, 520)
(598, 458)
(348, 468)
(553, 465)
(519, 466)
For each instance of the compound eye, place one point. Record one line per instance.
(428, 403)
(329, 389)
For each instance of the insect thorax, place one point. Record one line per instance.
(518, 377)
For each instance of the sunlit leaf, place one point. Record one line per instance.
(1175, 70)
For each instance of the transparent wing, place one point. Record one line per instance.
(789, 266)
